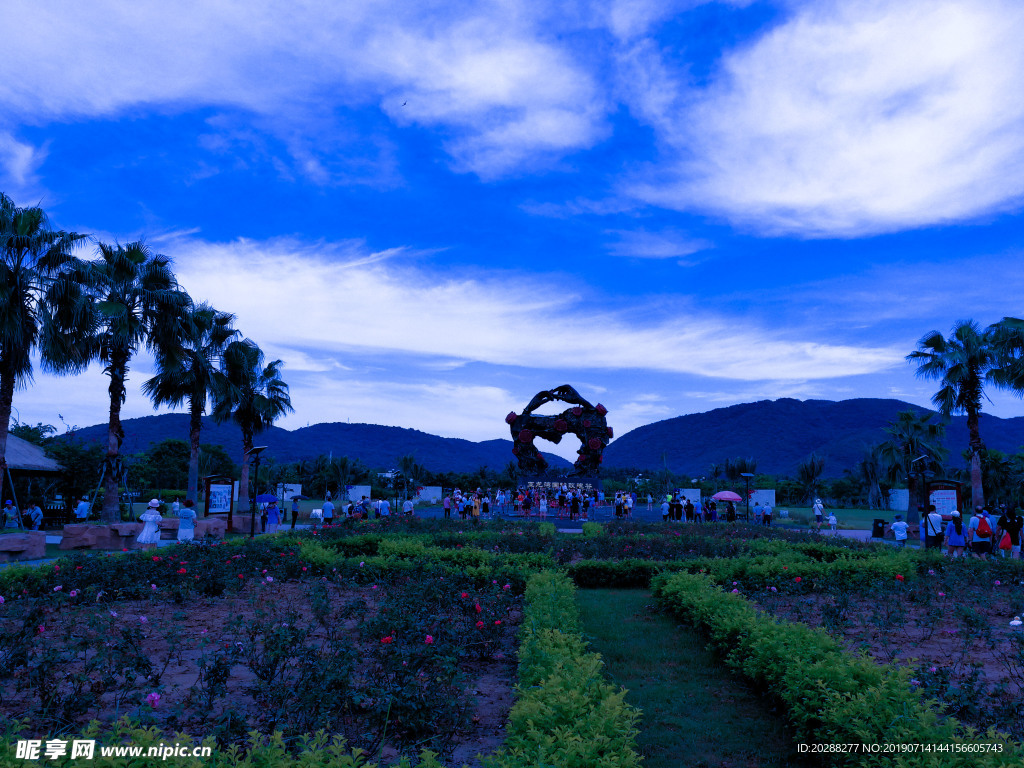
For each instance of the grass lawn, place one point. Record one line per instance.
(695, 712)
(849, 519)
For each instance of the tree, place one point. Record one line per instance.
(33, 260)
(136, 300)
(871, 472)
(40, 434)
(252, 395)
(186, 362)
(214, 460)
(913, 439)
(79, 467)
(962, 363)
(808, 475)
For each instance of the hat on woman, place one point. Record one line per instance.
(154, 503)
(955, 513)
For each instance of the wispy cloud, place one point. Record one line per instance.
(401, 308)
(491, 74)
(666, 244)
(19, 162)
(850, 118)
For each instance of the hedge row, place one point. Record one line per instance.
(565, 715)
(831, 697)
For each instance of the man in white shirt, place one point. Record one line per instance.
(407, 507)
(82, 510)
(899, 531)
(385, 508)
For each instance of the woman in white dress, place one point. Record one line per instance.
(151, 530)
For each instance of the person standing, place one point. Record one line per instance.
(175, 507)
(933, 528)
(35, 516)
(899, 531)
(273, 517)
(295, 510)
(1011, 523)
(407, 507)
(82, 510)
(328, 510)
(149, 537)
(956, 536)
(187, 521)
(385, 508)
(730, 512)
(447, 504)
(11, 518)
(979, 534)
(833, 524)
(819, 513)
(766, 514)
(757, 512)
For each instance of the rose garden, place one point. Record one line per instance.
(427, 642)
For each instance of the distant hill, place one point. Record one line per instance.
(376, 446)
(780, 434)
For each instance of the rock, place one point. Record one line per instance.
(216, 527)
(116, 537)
(29, 545)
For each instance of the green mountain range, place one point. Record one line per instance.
(779, 434)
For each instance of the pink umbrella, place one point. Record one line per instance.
(727, 496)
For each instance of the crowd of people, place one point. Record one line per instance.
(982, 535)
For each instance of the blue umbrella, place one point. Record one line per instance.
(263, 498)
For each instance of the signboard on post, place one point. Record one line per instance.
(945, 495)
(221, 493)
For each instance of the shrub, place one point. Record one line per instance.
(566, 714)
(830, 696)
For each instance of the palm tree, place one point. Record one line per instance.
(185, 368)
(808, 475)
(913, 438)
(962, 363)
(870, 471)
(34, 264)
(136, 300)
(252, 395)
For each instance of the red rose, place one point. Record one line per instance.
(586, 423)
(525, 435)
(479, 625)
(594, 444)
(577, 411)
(386, 640)
(511, 417)
(610, 433)
(797, 579)
(601, 409)
(561, 425)
(181, 570)
(899, 577)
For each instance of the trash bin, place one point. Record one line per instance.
(878, 529)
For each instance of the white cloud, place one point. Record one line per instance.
(847, 119)
(667, 244)
(500, 85)
(291, 295)
(18, 164)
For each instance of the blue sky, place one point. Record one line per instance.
(431, 211)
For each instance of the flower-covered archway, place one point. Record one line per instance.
(584, 420)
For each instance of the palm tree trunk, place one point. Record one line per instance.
(115, 435)
(977, 492)
(7, 382)
(195, 426)
(243, 480)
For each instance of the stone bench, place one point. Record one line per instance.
(28, 545)
(121, 536)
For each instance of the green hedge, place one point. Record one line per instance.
(830, 696)
(566, 715)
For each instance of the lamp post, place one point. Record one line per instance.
(254, 454)
(746, 477)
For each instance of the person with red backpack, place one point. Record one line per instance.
(979, 532)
